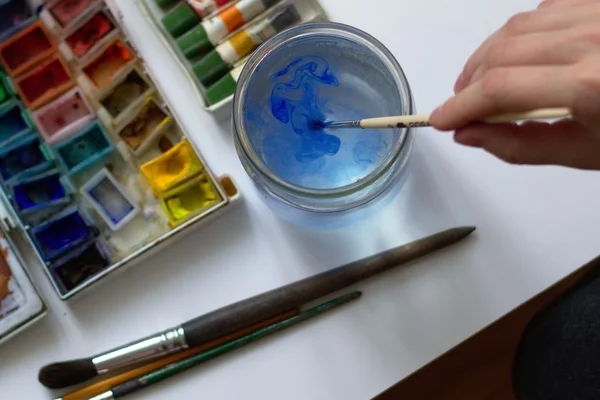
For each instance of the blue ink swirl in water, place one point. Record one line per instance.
(297, 102)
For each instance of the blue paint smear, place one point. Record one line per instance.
(297, 102)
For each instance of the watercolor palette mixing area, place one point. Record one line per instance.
(20, 302)
(94, 167)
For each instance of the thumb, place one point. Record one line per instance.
(565, 143)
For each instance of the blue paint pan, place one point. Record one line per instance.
(24, 157)
(65, 231)
(14, 123)
(14, 16)
(40, 193)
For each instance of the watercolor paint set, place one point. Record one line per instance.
(20, 302)
(212, 39)
(96, 171)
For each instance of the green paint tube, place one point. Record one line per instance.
(180, 20)
(166, 4)
(224, 87)
(219, 61)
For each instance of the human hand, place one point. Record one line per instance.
(549, 57)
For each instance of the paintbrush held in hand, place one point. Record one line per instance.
(417, 121)
(244, 313)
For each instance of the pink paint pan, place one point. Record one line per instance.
(64, 116)
(67, 12)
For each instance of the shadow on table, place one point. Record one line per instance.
(418, 210)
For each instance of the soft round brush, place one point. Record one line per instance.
(413, 121)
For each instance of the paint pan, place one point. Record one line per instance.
(5, 277)
(5, 89)
(40, 196)
(64, 116)
(161, 143)
(68, 12)
(48, 80)
(172, 168)
(91, 34)
(84, 148)
(67, 230)
(14, 16)
(14, 123)
(20, 302)
(148, 122)
(124, 98)
(25, 157)
(190, 199)
(80, 265)
(28, 47)
(109, 199)
(104, 68)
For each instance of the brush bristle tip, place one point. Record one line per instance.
(63, 374)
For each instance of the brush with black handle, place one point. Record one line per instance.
(244, 313)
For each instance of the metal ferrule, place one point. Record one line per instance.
(104, 396)
(154, 346)
(343, 124)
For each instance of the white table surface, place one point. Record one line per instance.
(535, 225)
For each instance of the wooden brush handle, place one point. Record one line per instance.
(250, 311)
(409, 121)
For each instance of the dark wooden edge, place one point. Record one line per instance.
(480, 367)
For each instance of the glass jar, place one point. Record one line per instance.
(317, 72)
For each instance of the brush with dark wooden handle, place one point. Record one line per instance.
(244, 313)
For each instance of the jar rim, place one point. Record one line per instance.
(332, 29)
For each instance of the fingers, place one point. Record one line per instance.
(564, 143)
(546, 48)
(473, 62)
(519, 24)
(504, 90)
(548, 20)
(563, 3)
